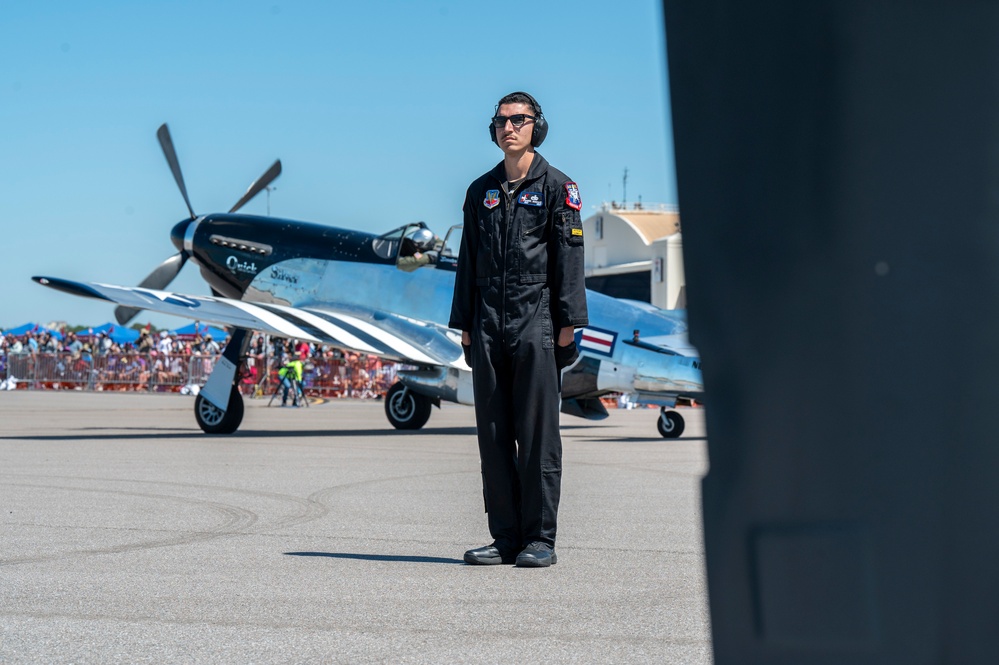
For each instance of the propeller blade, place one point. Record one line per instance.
(158, 279)
(259, 185)
(163, 134)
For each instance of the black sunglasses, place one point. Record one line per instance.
(518, 120)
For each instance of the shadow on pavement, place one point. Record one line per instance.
(379, 557)
(651, 437)
(142, 433)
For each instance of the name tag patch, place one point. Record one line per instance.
(577, 232)
(535, 199)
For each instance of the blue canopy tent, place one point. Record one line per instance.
(32, 328)
(119, 334)
(202, 329)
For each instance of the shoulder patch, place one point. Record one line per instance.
(492, 199)
(572, 196)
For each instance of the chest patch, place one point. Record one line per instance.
(572, 196)
(492, 199)
(536, 199)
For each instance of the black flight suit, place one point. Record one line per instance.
(519, 281)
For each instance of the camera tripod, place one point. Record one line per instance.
(297, 393)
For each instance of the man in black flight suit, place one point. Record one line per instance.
(518, 294)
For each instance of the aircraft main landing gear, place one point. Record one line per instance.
(406, 409)
(213, 420)
(670, 424)
(216, 414)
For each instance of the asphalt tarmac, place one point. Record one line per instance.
(323, 535)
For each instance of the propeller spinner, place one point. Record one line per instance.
(160, 278)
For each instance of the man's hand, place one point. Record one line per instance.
(565, 336)
(466, 347)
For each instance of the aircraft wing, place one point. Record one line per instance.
(360, 329)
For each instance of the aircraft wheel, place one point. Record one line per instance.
(214, 420)
(406, 409)
(670, 424)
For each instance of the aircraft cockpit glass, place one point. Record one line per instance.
(386, 246)
(418, 247)
(398, 241)
(452, 242)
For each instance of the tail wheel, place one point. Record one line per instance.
(670, 424)
(406, 409)
(214, 420)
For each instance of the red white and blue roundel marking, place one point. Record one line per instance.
(596, 340)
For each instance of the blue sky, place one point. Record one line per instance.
(378, 111)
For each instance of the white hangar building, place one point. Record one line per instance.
(636, 253)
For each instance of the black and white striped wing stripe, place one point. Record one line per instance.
(358, 331)
(363, 330)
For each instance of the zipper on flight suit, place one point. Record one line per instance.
(508, 222)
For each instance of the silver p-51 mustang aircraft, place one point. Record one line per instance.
(345, 288)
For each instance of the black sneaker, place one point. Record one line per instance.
(490, 555)
(537, 555)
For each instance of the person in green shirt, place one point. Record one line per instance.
(291, 375)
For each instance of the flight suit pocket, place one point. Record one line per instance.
(483, 252)
(534, 247)
(572, 228)
(536, 230)
(547, 339)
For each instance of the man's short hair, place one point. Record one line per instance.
(519, 98)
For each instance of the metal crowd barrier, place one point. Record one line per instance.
(363, 377)
(332, 378)
(149, 372)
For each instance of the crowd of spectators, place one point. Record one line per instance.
(158, 361)
(102, 343)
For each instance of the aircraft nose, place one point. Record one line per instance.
(178, 232)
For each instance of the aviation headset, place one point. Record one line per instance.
(540, 130)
